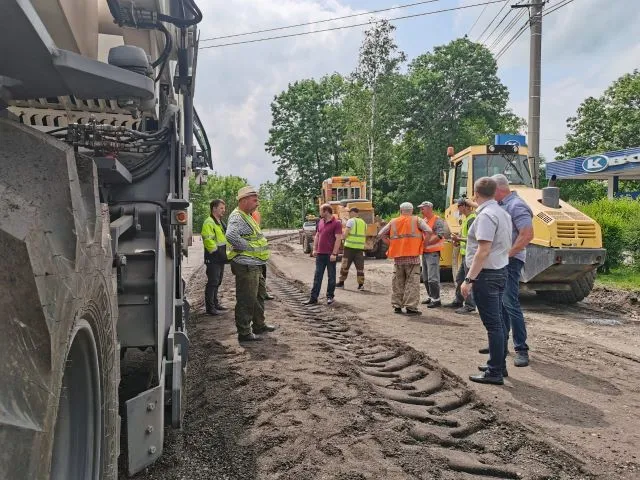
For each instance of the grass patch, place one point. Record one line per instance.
(622, 277)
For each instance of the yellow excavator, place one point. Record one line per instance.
(566, 250)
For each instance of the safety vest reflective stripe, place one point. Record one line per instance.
(405, 237)
(213, 235)
(258, 246)
(357, 235)
(435, 247)
(464, 232)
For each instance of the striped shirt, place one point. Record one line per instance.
(236, 227)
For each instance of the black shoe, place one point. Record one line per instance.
(251, 337)
(454, 305)
(268, 296)
(413, 312)
(397, 310)
(484, 368)
(426, 302)
(221, 308)
(311, 301)
(522, 359)
(484, 378)
(465, 309)
(360, 287)
(213, 312)
(264, 328)
(435, 304)
(340, 285)
(484, 350)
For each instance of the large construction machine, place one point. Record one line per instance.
(97, 133)
(566, 249)
(343, 193)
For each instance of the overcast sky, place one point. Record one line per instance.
(586, 45)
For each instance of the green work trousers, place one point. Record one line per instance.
(250, 293)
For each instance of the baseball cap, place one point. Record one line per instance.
(354, 209)
(425, 204)
(461, 202)
(247, 191)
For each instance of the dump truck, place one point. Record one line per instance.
(343, 193)
(97, 132)
(566, 250)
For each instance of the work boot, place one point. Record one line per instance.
(340, 284)
(426, 302)
(484, 368)
(251, 337)
(397, 310)
(465, 309)
(213, 311)
(311, 301)
(521, 359)
(484, 350)
(434, 304)
(360, 286)
(221, 308)
(454, 304)
(264, 328)
(413, 312)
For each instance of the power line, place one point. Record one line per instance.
(509, 12)
(370, 22)
(507, 29)
(493, 20)
(556, 7)
(476, 22)
(407, 5)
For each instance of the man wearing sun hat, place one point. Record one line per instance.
(248, 252)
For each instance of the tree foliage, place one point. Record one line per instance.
(386, 125)
(217, 186)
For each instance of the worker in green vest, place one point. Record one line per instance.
(248, 252)
(355, 237)
(215, 255)
(466, 210)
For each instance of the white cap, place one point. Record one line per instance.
(425, 204)
(406, 206)
(247, 191)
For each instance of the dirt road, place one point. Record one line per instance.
(353, 391)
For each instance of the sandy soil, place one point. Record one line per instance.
(353, 391)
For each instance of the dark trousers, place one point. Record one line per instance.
(352, 255)
(322, 262)
(250, 292)
(460, 276)
(488, 290)
(511, 310)
(215, 272)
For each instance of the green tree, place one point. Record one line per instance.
(217, 186)
(278, 208)
(455, 98)
(611, 122)
(306, 135)
(377, 89)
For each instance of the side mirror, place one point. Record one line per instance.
(443, 177)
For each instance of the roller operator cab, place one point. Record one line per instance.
(566, 249)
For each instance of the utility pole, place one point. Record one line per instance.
(535, 73)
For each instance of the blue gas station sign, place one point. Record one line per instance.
(510, 139)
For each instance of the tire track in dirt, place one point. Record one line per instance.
(441, 412)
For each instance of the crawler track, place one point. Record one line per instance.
(443, 418)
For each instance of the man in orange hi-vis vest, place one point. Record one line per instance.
(406, 236)
(258, 218)
(431, 255)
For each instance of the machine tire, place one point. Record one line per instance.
(580, 289)
(60, 370)
(381, 251)
(306, 246)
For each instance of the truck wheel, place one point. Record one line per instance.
(306, 246)
(580, 289)
(60, 367)
(381, 251)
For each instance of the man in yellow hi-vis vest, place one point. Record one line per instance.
(215, 255)
(248, 252)
(355, 237)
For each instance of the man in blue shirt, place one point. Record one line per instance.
(522, 234)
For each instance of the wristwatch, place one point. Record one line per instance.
(469, 280)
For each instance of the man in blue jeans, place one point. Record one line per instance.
(326, 246)
(522, 234)
(487, 256)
